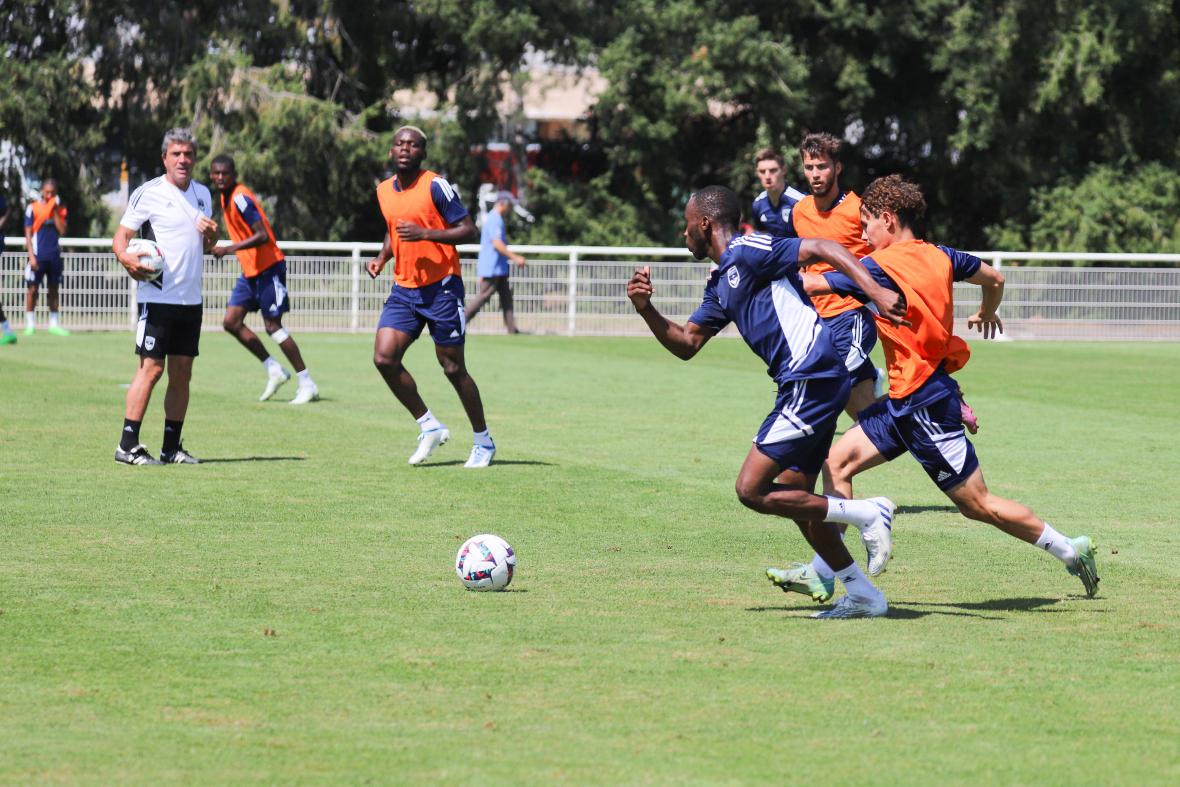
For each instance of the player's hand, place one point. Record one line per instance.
(892, 306)
(374, 267)
(639, 289)
(135, 268)
(33, 263)
(206, 226)
(219, 251)
(408, 230)
(520, 261)
(987, 324)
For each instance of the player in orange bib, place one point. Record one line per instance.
(922, 414)
(425, 220)
(262, 287)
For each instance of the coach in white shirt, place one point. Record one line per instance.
(174, 211)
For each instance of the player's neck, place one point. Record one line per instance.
(718, 242)
(775, 193)
(825, 202)
(406, 178)
(179, 183)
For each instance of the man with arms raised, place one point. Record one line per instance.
(922, 414)
(263, 283)
(174, 211)
(425, 221)
(757, 287)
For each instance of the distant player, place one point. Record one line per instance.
(922, 414)
(6, 334)
(262, 286)
(771, 211)
(757, 287)
(175, 211)
(45, 223)
(425, 220)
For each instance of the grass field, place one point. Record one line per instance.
(288, 612)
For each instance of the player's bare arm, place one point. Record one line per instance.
(890, 304)
(463, 232)
(986, 320)
(377, 264)
(129, 261)
(683, 341)
(257, 239)
(29, 248)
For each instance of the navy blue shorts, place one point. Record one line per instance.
(798, 432)
(933, 435)
(266, 292)
(438, 305)
(854, 335)
(51, 268)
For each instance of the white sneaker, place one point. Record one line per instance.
(878, 537)
(849, 607)
(306, 393)
(481, 456)
(427, 442)
(273, 382)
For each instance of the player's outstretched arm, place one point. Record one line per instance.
(683, 341)
(891, 305)
(986, 320)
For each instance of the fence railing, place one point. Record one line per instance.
(580, 290)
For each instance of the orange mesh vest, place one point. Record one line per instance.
(422, 262)
(841, 224)
(254, 261)
(923, 273)
(42, 212)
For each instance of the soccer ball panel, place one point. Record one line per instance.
(485, 562)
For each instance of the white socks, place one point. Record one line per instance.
(821, 567)
(53, 320)
(30, 320)
(483, 438)
(272, 366)
(1057, 545)
(428, 422)
(858, 513)
(857, 584)
(305, 378)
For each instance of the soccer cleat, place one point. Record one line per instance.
(305, 394)
(878, 536)
(8, 338)
(273, 381)
(1084, 567)
(849, 607)
(30, 330)
(57, 330)
(178, 457)
(802, 578)
(427, 442)
(136, 456)
(481, 456)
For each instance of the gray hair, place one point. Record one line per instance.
(180, 136)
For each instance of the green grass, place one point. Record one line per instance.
(640, 641)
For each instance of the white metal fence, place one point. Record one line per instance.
(580, 290)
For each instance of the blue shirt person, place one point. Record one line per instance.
(492, 266)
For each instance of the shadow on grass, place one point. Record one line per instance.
(495, 463)
(924, 509)
(255, 459)
(912, 610)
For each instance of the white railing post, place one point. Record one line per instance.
(132, 312)
(356, 288)
(572, 307)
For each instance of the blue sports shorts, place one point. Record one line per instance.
(798, 432)
(932, 434)
(51, 268)
(854, 335)
(266, 292)
(438, 306)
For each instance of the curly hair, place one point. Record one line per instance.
(821, 145)
(897, 195)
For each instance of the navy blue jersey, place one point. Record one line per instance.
(775, 219)
(757, 288)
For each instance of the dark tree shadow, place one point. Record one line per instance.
(255, 459)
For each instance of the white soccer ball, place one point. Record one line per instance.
(485, 562)
(149, 254)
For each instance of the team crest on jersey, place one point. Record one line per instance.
(786, 213)
(149, 343)
(734, 277)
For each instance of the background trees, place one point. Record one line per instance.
(1030, 123)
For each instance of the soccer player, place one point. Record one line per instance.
(922, 414)
(425, 220)
(176, 210)
(45, 223)
(262, 285)
(492, 266)
(6, 334)
(757, 287)
(771, 211)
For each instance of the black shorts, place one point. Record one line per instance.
(168, 329)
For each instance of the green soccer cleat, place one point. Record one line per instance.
(30, 330)
(57, 330)
(1085, 568)
(802, 578)
(8, 338)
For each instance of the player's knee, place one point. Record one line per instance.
(385, 361)
(231, 325)
(750, 495)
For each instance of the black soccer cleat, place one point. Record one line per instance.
(136, 456)
(178, 457)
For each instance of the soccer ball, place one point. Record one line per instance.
(149, 254)
(485, 562)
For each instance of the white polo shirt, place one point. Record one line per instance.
(172, 216)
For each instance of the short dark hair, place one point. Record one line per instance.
(821, 144)
(224, 158)
(720, 204)
(768, 153)
(896, 194)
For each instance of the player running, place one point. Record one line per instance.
(757, 287)
(425, 221)
(921, 414)
(262, 285)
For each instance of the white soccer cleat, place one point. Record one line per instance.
(481, 456)
(849, 607)
(273, 381)
(427, 442)
(306, 393)
(878, 536)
